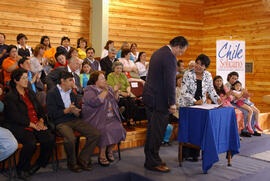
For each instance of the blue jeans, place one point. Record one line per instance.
(168, 133)
(8, 143)
(245, 115)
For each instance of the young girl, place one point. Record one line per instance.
(242, 101)
(85, 73)
(61, 60)
(226, 98)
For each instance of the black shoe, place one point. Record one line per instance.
(245, 134)
(257, 134)
(23, 175)
(34, 169)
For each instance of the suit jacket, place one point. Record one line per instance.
(53, 78)
(16, 112)
(106, 65)
(55, 106)
(159, 89)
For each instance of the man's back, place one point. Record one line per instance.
(159, 89)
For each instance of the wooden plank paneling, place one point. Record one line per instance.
(247, 20)
(54, 18)
(153, 23)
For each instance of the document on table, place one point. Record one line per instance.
(207, 106)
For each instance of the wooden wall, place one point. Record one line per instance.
(247, 20)
(153, 23)
(54, 18)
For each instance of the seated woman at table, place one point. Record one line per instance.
(226, 97)
(196, 83)
(120, 79)
(241, 96)
(100, 110)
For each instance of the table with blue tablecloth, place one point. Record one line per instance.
(214, 131)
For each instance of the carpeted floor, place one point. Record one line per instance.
(254, 145)
(244, 167)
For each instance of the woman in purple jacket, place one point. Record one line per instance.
(100, 110)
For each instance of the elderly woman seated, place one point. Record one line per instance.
(25, 119)
(118, 78)
(100, 109)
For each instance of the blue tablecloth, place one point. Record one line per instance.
(215, 131)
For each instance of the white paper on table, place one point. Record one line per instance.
(207, 106)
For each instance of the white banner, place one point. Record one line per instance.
(230, 56)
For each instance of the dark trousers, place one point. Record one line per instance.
(157, 123)
(92, 137)
(29, 140)
(130, 107)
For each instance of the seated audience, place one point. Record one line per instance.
(34, 82)
(60, 60)
(226, 97)
(73, 65)
(3, 48)
(241, 96)
(191, 66)
(81, 48)
(134, 54)
(105, 52)
(73, 53)
(64, 110)
(38, 63)
(10, 63)
(23, 49)
(90, 53)
(180, 67)
(175, 116)
(101, 111)
(64, 48)
(167, 135)
(194, 93)
(106, 62)
(117, 78)
(25, 119)
(85, 73)
(129, 67)
(49, 51)
(125, 45)
(232, 77)
(142, 65)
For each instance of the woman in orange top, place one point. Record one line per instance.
(10, 63)
(49, 51)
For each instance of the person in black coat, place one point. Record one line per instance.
(64, 110)
(106, 62)
(25, 119)
(159, 99)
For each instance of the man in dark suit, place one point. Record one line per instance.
(63, 109)
(159, 98)
(73, 65)
(106, 62)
